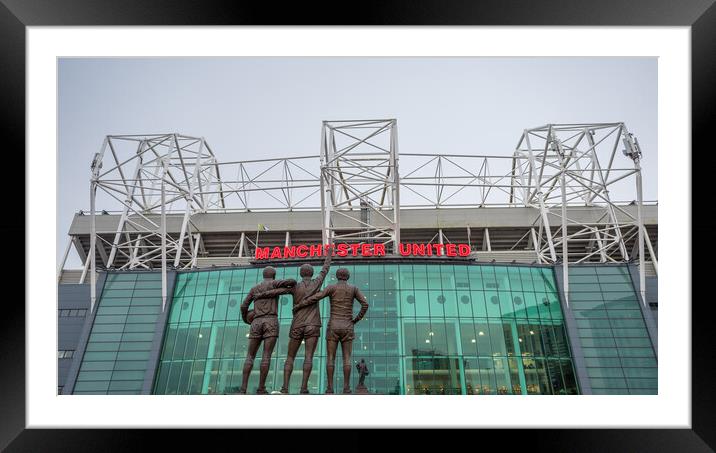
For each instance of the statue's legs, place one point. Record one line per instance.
(331, 346)
(249, 362)
(269, 344)
(311, 343)
(293, 345)
(347, 347)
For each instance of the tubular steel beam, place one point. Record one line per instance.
(356, 185)
(359, 163)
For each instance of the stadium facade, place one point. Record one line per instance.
(512, 274)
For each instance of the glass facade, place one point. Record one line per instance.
(116, 357)
(430, 329)
(617, 349)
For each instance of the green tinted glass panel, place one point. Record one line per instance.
(115, 358)
(431, 328)
(612, 331)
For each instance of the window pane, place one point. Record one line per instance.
(431, 328)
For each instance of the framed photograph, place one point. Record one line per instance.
(264, 226)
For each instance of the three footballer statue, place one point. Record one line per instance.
(306, 323)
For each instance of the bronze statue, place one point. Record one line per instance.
(264, 323)
(363, 371)
(340, 324)
(306, 324)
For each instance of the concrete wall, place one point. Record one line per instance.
(570, 324)
(158, 341)
(69, 329)
(652, 299)
(81, 343)
(504, 217)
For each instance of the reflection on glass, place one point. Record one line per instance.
(431, 329)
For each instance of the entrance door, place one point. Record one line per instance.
(432, 375)
(431, 362)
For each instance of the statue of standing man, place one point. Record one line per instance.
(363, 371)
(306, 323)
(340, 323)
(264, 323)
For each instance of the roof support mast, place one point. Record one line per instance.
(555, 169)
(359, 171)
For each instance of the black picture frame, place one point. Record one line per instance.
(16, 15)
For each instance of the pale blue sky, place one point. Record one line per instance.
(273, 107)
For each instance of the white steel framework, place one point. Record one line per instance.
(558, 165)
(356, 186)
(145, 175)
(359, 172)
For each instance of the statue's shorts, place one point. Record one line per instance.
(343, 333)
(264, 327)
(301, 332)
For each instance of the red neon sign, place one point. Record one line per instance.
(362, 250)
